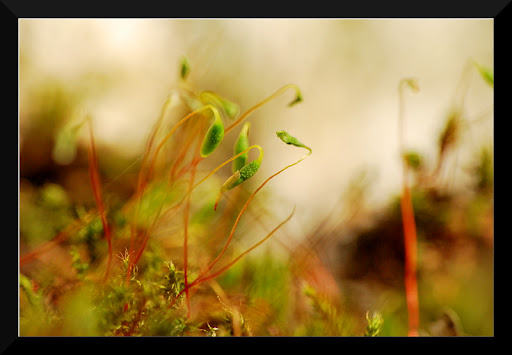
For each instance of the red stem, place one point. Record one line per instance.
(186, 219)
(96, 188)
(409, 227)
(74, 227)
(201, 278)
(410, 244)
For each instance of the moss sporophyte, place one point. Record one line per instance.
(288, 139)
(230, 108)
(244, 173)
(156, 200)
(241, 144)
(213, 136)
(176, 255)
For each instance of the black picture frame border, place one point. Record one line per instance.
(13, 10)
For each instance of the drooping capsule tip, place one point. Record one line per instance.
(281, 134)
(231, 108)
(485, 73)
(412, 83)
(298, 99)
(184, 68)
(288, 139)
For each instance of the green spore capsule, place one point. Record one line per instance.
(485, 73)
(213, 136)
(298, 98)
(247, 172)
(184, 68)
(412, 83)
(413, 159)
(229, 107)
(230, 183)
(241, 144)
(241, 175)
(288, 139)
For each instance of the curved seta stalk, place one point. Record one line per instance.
(203, 276)
(298, 98)
(144, 176)
(280, 91)
(98, 197)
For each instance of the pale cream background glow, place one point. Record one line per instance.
(348, 71)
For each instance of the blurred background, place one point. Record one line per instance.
(122, 70)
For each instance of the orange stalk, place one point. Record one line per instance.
(245, 115)
(409, 227)
(181, 156)
(186, 219)
(134, 260)
(201, 278)
(96, 188)
(72, 228)
(224, 268)
(258, 105)
(145, 173)
(195, 162)
(411, 283)
(141, 180)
